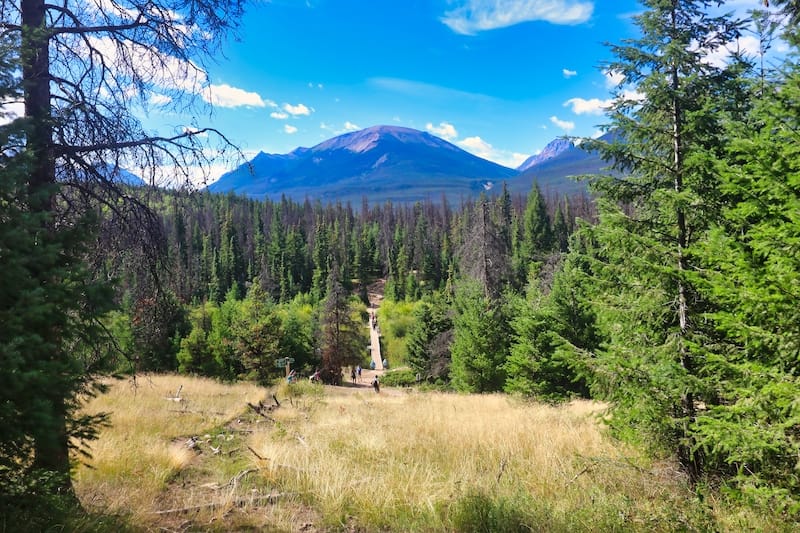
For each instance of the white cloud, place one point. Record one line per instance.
(613, 79)
(349, 126)
(569, 73)
(279, 115)
(195, 131)
(10, 111)
(472, 16)
(565, 125)
(164, 72)
(593, 106)
(443, 130)
(226, 96)
(477, 146)
(297, 110)
(159, 99)
(748, 45)
(288, 128)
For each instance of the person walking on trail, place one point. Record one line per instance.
(376, 384)
(358, 373)
(353, 374)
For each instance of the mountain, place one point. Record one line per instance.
(389, 163)
(557, 164)
(380, 163)
(553, 149)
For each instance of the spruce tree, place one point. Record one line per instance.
(342, 337)
(751, 272)
(669, 135)
(480, 341)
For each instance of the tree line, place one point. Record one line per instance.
(673, 296)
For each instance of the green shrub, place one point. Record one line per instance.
(402, 377)
(479, 513)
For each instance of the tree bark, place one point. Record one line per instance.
(51, 441)
(687, 411)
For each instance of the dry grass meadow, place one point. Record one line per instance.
(347, 459)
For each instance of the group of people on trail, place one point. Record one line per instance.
(355, 374)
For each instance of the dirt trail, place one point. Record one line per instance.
(375, 295)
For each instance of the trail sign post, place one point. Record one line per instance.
(284, 361)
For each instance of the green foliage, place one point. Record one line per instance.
(343, 337)
(52, 342)
(752, 275)
(537, 363)
(429, 337)
(196, 355)
(396, 319)
(652, 363)
(155, 323)
(401, 377)
(480, 341)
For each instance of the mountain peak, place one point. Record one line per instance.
(553, 148)
(369, 138)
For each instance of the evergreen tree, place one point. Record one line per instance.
(652, 316)
(537, 235)
(751, 271)
(52, 344)
(428, 346)
(480, 341)
(342, 339)
(484, 255)
(196, 355)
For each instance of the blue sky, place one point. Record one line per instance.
(499, 78)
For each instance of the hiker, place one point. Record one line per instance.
(385, 363)
(353, 374)
(358, 373)
(372, 365)
(314, 378)
(376, 384)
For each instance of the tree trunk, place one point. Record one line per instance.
(51, 442)
(687, 412)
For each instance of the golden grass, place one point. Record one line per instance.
(350, 459)
(398, 460)
(145, 446)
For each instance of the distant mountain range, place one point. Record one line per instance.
(385, 163)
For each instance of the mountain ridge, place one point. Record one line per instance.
(393, 163)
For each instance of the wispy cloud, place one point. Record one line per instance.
(427, 91)
(569, 73)
(279, 115)
(592, 106)
(347, 127)
(477, 146)
(565, 125)
(443, 130)
(472, 16)
(288, 128)
(297, 110)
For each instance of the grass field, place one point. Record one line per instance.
(347, 459)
